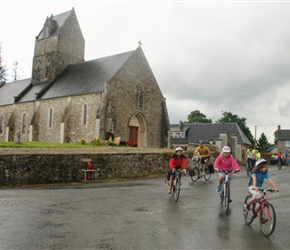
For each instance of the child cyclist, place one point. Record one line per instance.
(225, 162)
(259, 173)
(176, 162)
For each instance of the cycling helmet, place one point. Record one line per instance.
(178, 149)
(259, 161)
(226, 149)
(201, 142)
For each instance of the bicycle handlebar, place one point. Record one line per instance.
(264, 190)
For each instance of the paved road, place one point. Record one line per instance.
(138, 215)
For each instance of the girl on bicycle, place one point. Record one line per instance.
(259, 173)
(225, 161)
(176, 162)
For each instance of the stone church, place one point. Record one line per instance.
(68, 98)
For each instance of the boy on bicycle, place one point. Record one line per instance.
(225, 162)
(259, 173)
(177, 162)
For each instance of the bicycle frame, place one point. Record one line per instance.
(199, 170)
(225, 190)
(264, 210)
(176, 185)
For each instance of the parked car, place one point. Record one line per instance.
(274, 160)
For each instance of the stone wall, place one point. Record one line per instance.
(64, 168)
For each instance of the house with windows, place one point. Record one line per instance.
(214, 135)
(68, 98)
(283, 139)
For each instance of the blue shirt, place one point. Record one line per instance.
(260, 176)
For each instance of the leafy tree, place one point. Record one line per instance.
(241, 121)
(3, 70)
(197, 117)
(262, 143)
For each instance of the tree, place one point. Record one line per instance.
(16, 71)
(197, 117)
(262, 143)
(241, 121)
(3, 70)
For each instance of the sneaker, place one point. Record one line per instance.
(230, 200)
(218, 188)
(169, 191)
(247, 207)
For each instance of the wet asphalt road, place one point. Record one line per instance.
(139, 214)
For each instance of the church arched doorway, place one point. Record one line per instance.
(138, 130)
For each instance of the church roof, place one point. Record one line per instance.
(57, 21)
(9, 90)
(207, 132)
(77, 79)
(86, 77)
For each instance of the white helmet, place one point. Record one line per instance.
(259, 161)
(226, 149)
(178, 149)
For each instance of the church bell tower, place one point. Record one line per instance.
(59, 44)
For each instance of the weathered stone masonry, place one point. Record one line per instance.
(29, 169)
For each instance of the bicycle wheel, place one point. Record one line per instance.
(267, 219)
(279, 165)
(207, 174)
(194, 174)
(248, 215)
(176, 191)
(227, 197)
(222, 194)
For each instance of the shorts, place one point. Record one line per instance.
(230, 176)
(172, 170)
(202, 161)
(255, 194)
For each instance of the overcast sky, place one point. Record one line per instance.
(210, 56)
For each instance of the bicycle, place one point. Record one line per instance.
(225, 189)
(175, 184)
(264, 210)
(199, 171)
(249, 166)
(279, 163)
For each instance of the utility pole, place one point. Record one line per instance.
(255, 136)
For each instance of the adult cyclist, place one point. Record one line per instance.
(204, 154)
(251, 157)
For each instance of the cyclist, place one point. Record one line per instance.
(258, 155)
(204, 154)
(251, 157)
(280, 157)
(176, 162)
(286, 157)
(259, 173)
(225, 162)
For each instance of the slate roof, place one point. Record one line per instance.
(57, 21)
(86, 77)
(11, 89)
(207, 132)
(77, 79)
(283, 134)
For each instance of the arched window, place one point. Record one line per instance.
(50, 118)
(1, 124)
(138, 97)
(23, 123)
(85, 114)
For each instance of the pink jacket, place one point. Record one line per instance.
(222, 163)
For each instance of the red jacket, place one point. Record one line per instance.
(178, 162)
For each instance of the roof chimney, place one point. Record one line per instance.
(279, 127)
